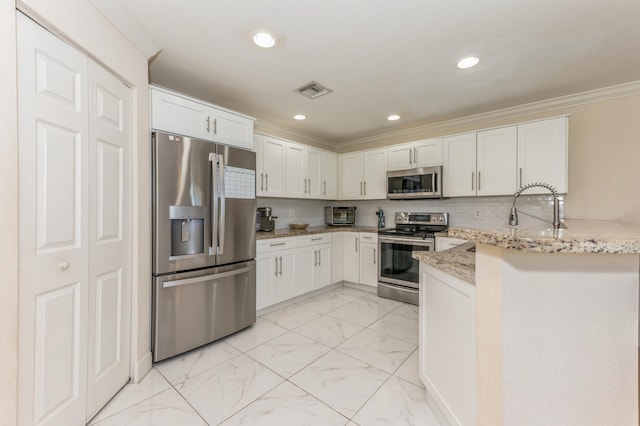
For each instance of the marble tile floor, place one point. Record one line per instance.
(343, 357)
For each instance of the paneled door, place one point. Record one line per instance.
(109, 237)
(54, 223)
(75, 243)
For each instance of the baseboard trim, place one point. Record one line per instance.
(142, 367)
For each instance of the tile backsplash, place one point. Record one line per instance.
(534, 211)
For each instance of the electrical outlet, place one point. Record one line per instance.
(292, 212)
(477, 213)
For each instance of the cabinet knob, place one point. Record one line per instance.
(64, 265)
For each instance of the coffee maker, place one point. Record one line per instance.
(264, 220)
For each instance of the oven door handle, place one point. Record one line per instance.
(415, 242)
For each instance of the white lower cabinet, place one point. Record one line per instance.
(369, 259)
(361, 258)
(292, 266)
(447, 344)
(352, 257)
(275, 271)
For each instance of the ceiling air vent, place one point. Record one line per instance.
(313, 90)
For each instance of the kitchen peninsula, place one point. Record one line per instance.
(551, 325)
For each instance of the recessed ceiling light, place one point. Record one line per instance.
(264, 39)
(300, 117)
(393, 117)
(468, 62)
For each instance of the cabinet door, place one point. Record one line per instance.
(428, 153)
(459, 165)
(176, 114)
(329, 176)
(401, 156)
(231, 129)
(322, 271)
(306, 259)
(314, 173)
(369, 264)
(337, 256)
(267, 268)
(496, 161)
(287, 278)
(352, 257)
(375, 174)
(273, 171)
(296, 180)
(351, 172)
(542, 154)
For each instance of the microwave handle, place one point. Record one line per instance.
(434, 178)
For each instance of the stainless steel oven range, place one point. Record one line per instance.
(398, 273)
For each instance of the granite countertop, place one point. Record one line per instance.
(287, 232)
(457, 261)
(581, 236)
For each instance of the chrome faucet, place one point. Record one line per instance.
(513, 216)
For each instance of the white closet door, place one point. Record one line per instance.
(53, 161)
(110, 237)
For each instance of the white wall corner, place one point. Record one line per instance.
(123, 19)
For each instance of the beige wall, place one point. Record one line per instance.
(604, 155)
(80, 23)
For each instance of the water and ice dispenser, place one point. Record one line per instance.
(187, 230)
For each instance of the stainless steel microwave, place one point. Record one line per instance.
(423, 182)
(339, 216)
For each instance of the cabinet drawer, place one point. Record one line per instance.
(310, 240)
(368, 237)
(445, 243)
(275, 244)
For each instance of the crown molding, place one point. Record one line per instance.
(270, 129)
(418, 132)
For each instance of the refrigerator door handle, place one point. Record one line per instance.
(214, 203)
(221, 275)
(222, 206)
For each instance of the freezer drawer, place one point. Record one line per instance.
(192, 309)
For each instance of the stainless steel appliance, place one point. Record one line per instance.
(423, 182)
(264, 220)
(339, 216)
(398, 273)
(204, 277)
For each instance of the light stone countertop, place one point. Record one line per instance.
(287, 232)
(581, 236)
(457, 261)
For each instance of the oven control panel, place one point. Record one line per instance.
(414, 218)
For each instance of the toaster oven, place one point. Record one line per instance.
(339, 216)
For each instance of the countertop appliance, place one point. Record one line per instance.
(339, 216)
(423, 182)
(204, 275)
(398, 272)
(264, 220)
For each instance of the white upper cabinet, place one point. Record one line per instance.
(423, 153)
(177, 113)
(495, 165)
(459, 165)
(329, 175)
(542, 154)
(296, 170)
(290, 169)
(270, 173)
(364, 175)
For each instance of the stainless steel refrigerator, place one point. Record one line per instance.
(204, 275)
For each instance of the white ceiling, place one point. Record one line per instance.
(383, 57)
